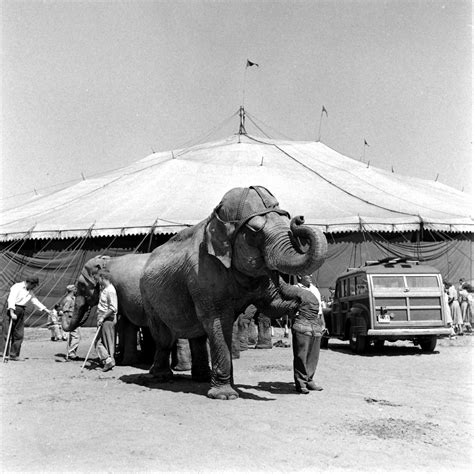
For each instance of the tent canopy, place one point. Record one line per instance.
(169, 191)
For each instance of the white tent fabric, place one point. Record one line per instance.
(168, 191)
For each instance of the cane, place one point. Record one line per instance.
(67, 348)
(90, 348)
(7, 343)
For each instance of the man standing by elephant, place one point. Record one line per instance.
(20, 294)
(67, 309)
(307, 330)
(106, 320)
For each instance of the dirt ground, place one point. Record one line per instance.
(392, 410)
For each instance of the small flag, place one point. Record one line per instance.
(250, 64)
(393, 171)
(365, 143)
(324, 111)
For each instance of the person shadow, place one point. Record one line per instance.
(183, 383)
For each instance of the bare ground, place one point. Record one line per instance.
(392, 410)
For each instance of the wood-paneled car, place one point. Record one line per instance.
(388, 300)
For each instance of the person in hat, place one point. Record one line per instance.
(106, 320)
(74, 337)
(20, 294)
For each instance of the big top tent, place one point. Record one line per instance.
(168, 191)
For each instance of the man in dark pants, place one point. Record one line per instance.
(20, 294)
(307, 329)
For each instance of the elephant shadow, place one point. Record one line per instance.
(275, 388)
(183, 383)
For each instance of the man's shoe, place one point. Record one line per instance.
(15, 359)
(312, 386)
(305, 391)
(108, 366)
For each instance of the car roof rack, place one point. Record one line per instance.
(391, 261)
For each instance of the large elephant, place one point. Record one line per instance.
(126, 271)
(197, 283)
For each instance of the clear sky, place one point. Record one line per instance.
(92, 86)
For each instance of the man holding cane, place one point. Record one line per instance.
(20, 294)
(106, 320)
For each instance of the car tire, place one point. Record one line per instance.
(379, 344)
(428, 344)
(357, 337)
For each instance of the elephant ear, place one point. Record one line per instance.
(219, 238)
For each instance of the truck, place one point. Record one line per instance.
(388, 300)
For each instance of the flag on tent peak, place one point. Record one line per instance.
(250, 64)
(324, 111)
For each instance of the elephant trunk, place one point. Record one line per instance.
(300, 251)
(80, 309)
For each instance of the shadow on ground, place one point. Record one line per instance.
(183, 383)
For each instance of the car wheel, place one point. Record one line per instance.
(428, 344)
(357, 337)
(379, 343)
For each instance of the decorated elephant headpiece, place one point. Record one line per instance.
(93, 266)
(236, 208)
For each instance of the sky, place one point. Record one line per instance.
(88, 87)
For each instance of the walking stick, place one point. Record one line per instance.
(90, 348)
(7, 343)
(67, 348)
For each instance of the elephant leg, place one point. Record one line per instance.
(181, 356)
(235, 341)
(127, 336)
(164, 341)
(147, 346)
(200, 370)
(264, 332)
(219, 331)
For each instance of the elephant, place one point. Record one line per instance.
(196, 284)
(125, 271)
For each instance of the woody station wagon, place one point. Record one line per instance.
(388, 300)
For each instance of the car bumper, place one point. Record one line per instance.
(403, 332)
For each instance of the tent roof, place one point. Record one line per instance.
(169, 191)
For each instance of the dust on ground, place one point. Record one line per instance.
(395, 409)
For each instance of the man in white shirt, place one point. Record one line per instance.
(20, 294)
(106, 320)
(306, 283)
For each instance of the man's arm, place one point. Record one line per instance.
(38, 304)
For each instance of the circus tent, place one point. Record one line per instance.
(366, 212)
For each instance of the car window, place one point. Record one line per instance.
(422, 281)
(352, 287)
(361, 285)
(387, 282)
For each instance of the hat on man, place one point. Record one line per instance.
(32, 279)
(70, 288)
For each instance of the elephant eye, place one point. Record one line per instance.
(256, 224)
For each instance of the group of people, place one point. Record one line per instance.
(307, 328)
(459, 306)
(14, 323)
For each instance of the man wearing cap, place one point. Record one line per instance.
(67, 310)
(20, 294)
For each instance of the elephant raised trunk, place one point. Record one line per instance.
(298, 251)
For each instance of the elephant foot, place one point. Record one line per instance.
(224, 392)
(201, 377)
(161, 375)
(129, 361)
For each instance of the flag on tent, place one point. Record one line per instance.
(365, 142)
(324, 111)
(250, 64)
